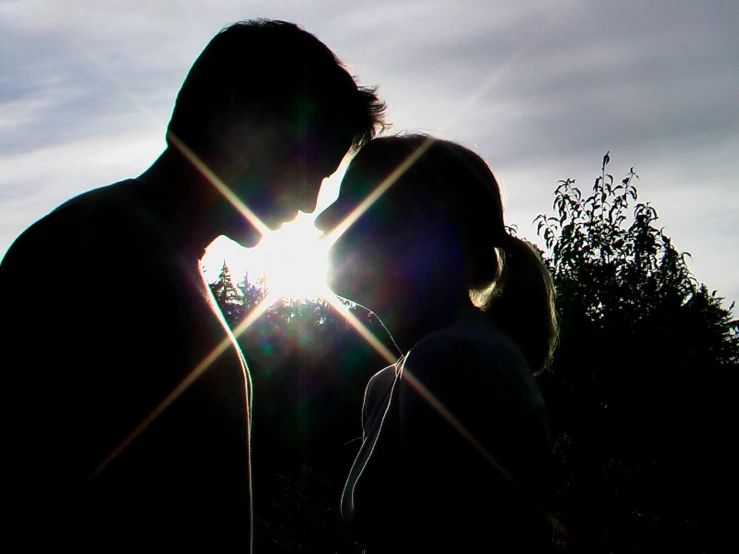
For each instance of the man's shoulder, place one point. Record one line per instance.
(84, 223)
(102, 196)
(99, 209)
(102, 231)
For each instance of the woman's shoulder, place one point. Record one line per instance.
(473, 337)
(380, 384)
(378, 391)
(477, 353)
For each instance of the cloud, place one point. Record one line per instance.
(34, 183)
(540, 88)
(58, 87)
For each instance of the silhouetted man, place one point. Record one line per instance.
(266, 112)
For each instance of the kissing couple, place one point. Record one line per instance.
(128, 418)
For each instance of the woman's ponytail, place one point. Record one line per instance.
(521, 302)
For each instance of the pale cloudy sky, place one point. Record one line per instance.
(541, 89)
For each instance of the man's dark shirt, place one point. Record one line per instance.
(103, 315)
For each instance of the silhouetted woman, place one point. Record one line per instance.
(456, 452)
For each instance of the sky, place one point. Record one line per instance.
(540, 89)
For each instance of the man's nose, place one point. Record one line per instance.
(309, 202)
(306, 195)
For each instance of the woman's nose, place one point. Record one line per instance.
(322, 220)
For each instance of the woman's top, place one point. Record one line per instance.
(456, 453)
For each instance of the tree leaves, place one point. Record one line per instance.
(634, 323)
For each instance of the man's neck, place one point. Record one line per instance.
(182, 200)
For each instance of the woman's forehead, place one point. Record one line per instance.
(366, 177)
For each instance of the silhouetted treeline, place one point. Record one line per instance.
(640, 394)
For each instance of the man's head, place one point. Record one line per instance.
(274, 110)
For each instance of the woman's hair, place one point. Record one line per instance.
(506, 276)
(521, 302)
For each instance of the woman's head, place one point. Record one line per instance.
(435, 233)
(440, 194)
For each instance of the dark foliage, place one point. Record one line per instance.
(640, 390)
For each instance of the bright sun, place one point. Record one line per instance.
(294, 260)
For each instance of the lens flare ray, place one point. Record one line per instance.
(214, 180)
(332, 236)
(102, 67)
(362, 330)
(191, 377)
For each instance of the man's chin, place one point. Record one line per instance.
(276, 223)
(249, 239)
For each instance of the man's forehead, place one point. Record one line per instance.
(329, 152)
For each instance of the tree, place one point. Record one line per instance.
(638, 390)
(227, 295)
(251, 295)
